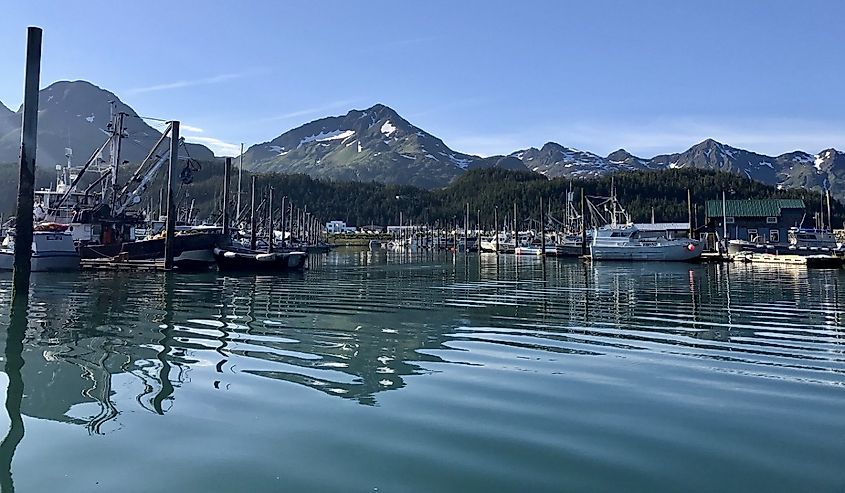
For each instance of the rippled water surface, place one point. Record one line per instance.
(429, 373)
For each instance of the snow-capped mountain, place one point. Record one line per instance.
(375, 144)
(75, 114)
(555, 160)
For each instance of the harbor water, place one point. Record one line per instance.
(376, 371)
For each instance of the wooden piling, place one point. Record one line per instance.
(283, 220)
(270, 222)
(583, 227)
(26, 182)
(252, 224)
(170, 225)
(496, 227)
(542, 229)
(226, 172)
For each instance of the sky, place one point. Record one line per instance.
(488, 77)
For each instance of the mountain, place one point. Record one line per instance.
(375, 144)
(75, 114)
(554, 160)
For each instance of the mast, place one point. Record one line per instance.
(829, 217)
(110, 190)
(240, 172)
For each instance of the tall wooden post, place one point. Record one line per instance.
(466, 230)
(226, 171)
(496, 227)
(170, 226)
(290, 220)
(583, 226)
(542, 229)
(26, 182)
(283, 220)
(253, 226)
(270, 222)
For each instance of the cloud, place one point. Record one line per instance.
(219, 147)
(189, 128)
(189, 83)
(321, 110)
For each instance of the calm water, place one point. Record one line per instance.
(432, 373)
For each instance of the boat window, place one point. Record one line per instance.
(774, 236)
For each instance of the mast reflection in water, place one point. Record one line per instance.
(429, 370)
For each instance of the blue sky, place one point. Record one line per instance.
(487, 77)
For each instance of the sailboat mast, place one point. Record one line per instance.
(240, 172)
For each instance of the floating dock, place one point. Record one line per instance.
(117, 264)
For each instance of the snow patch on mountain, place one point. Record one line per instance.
(326, 136)
(387, 128)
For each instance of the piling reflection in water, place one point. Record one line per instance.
(358, 324)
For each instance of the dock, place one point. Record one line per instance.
(122, 265)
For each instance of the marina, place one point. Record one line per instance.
(353, 305)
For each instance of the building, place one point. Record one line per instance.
(757, 221)
(335, 227)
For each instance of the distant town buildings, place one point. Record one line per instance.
(335, 227)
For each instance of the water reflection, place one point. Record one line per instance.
(359, 324)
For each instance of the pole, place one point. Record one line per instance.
(689, 211)
(496, 227)
(240, 172)
(270, 222)
(829, 217)
(252, 225)
(583, 226)
(466, 230)
(724, 220)
(26, 182)
(283, 220)
(226, 171)
(542, 229)
(170, 227)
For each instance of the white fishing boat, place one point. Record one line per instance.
(621, 239)
(51, 251)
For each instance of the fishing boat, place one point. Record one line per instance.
(233, 258)
(621, 239)
(52, 250)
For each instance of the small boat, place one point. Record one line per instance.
(52, 251)
(234, 258)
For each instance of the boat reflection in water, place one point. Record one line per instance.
(413, 360)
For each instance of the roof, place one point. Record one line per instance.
(662, 226)
(752, 207)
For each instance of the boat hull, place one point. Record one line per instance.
(685, 252)
(235, 260)
(191, 251)
(43, 263)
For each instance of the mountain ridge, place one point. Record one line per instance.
(74, 114)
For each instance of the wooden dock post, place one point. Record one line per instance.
(466, 230)
(226, 171)
(542, 229)
(26, 183)
(583, 227)
(252, 225)
(283, 219)
(270, 222)
(170, 226)
(496, 227)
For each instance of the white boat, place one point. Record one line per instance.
(51, 251)
(622, 240)
(505, 245)
(624, 243)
